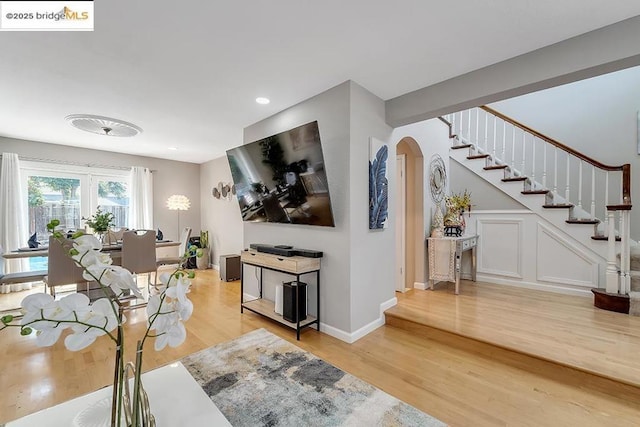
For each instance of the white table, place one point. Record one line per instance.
(445, 256)
(176, 399)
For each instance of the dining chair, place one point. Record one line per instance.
(19, 277)
(182, 249)
(139, 253)
(62, 269)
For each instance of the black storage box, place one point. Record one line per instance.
(289, 305)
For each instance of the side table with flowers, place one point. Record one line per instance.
(86, 321)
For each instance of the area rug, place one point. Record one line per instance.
(260, 379)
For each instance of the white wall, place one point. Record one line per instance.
(433, 138)
(597, 116)
(169, 177)
(221, 217)
(483, 194)
(331, 110)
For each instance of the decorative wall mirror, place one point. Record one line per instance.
(437, 178)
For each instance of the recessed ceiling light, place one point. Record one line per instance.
(262, 100)
(101, 125)
(172, 148)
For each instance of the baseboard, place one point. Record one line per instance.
(420, 285)
(535, 286)
(248, 297)
(215, 267)
(366, 329)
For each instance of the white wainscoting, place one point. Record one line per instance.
(520, 248)
(575, 267)
(500, 248)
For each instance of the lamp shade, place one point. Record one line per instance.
(178, 202)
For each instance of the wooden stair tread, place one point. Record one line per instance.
(583, 221)
(458, 147)
(535, 192)
(558, 206)
(495, 167)
(514, 179)
(477, 156)
(605, 238)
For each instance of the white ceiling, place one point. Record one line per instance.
(188, 73)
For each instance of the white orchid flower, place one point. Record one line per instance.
(100, 319)
(86, 243)
(174, 336)
(48, 337)
(118, 279)
(91, 258)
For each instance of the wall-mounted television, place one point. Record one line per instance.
(282, 178)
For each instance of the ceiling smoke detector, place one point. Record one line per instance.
(103, 125)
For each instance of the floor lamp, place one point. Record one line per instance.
(178, 202)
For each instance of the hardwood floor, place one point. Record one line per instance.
(458, 380)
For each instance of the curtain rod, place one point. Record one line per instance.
(68, 162)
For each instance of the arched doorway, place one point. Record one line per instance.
(410, 233)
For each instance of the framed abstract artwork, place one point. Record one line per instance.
(378, 184)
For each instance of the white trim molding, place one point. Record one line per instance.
(516, 245)
(420, 285)
(356, 335)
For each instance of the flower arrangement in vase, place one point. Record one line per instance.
(100, 222)
(202, 253)
(456, 204)
(87, 321)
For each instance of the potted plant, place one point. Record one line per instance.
(202, 253)
(100, 222)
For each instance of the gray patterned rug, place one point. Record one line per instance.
(260, 379)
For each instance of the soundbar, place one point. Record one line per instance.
(284, 250)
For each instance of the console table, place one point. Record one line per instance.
(295, 266)
(445, 254)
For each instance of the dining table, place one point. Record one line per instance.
(43, 251)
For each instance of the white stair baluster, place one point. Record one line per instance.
(612, 271)
(580, 184)
(469, 128)
(495, 135)
(593, 192)
(477, 141)
(513, 149)
(555, 171)
(566, 193)
(533, 163)
(503, 158)
(544, 165)
(486, 132)
(524, 152)
(606, 202)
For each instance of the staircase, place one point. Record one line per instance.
(584, 198)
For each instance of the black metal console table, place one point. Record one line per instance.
(295, 266)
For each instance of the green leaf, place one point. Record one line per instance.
(191, 274)
(7, 319)
(77, 234)
(26, 331)
(73, 251)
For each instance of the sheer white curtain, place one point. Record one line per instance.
(13, 229)
(141, 205)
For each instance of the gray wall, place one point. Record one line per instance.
(221, 217)
(169, 177)
(373, 252)
(331, 110)
(598, 117)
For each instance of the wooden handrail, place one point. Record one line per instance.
(446, 122)
(553, 141)
(626, 168)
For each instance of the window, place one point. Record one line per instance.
(69, 193)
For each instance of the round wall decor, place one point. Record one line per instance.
(437, 178)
